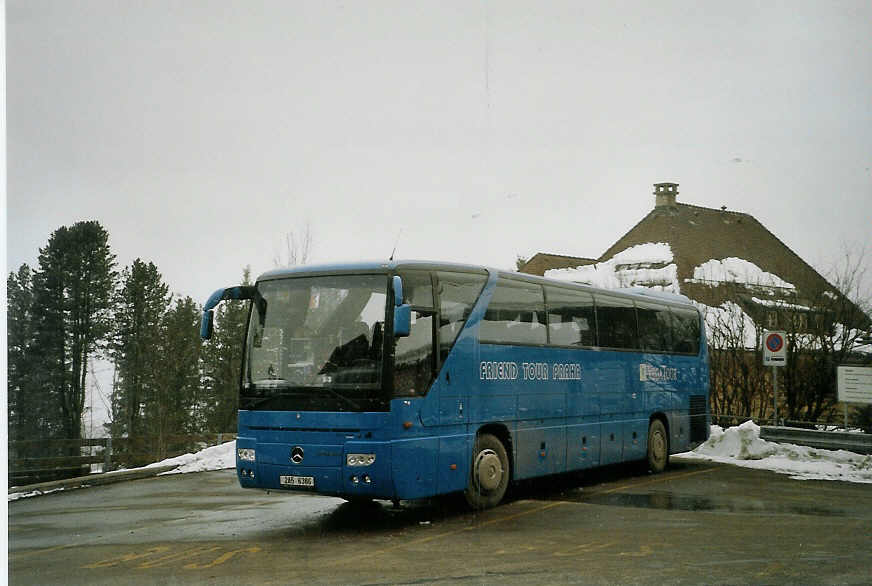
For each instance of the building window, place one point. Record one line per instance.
(802, 322)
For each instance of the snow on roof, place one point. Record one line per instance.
(725, 323)
(650, 252)
(737, 270)
(629, 268)
(780, 304)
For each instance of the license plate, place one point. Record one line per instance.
(297, 481)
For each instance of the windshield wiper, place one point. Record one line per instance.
(341, 396)
(274, 385)
(253, 402)
(271, 383)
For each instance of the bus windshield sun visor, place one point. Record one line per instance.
(238, 293)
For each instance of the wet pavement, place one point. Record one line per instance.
(696, 523)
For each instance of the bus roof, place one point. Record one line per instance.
(387, 266)
(379, 266)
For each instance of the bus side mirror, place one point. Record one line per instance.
(241, 292)
(402, 311)
(402, 320)
(207, 326)
(398, 290)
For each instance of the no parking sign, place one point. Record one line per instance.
(774, 349)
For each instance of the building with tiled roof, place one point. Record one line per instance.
(709, 255)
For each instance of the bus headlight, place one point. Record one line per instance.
(359, 459)
(246, 454)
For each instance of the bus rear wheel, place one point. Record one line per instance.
(489, 477)
(658, 447)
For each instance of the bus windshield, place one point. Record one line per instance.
(316, 344)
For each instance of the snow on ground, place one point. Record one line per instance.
(215, 458)
(14, 496)
(742, 446)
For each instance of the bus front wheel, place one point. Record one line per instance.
(490, 473)
(658, 447)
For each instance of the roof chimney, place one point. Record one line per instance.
(665, 194)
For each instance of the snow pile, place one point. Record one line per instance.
(742, 446)
(218, 457)
(14, 496)
(737, 270)
(215, 458)
(639, 265)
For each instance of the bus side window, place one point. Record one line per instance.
(516, 314)
(655, 328)
(458, 293)
(571, 317)
(685, 331)
(616, 323)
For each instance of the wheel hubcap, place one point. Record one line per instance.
(488, 470)
(658, 446)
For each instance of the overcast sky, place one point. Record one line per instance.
(200, 132)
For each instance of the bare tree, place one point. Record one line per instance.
(823, 333)
(823, 328)
(739, 386)
(297, 248)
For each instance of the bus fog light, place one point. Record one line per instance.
(355, 480)
(367, 479)
(246, 454)
(359, 459)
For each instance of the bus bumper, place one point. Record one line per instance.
(322, 469)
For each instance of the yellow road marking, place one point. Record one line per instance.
(661, 478)
(644, 551)
(452, 532)
(430, 538)
(222, 558)
(584, 548)
(175, 557)
(21, 554)
(128, 557)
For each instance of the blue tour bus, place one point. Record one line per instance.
(409, 379)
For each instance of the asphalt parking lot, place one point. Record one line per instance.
(696, 523)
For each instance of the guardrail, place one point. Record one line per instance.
(51, 459)
(860, 443)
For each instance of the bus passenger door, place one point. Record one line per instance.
(610, 378)
(452, 390)
(582, 424)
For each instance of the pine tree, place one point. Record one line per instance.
(23, 416)
(49, 380)
(72, 294)
(170, 409)
(222, 363)
(140, 306)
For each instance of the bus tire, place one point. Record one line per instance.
(489, 475)
(658, 446)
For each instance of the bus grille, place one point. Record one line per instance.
(698, 418)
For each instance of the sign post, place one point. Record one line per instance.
(775, 355)
(854, 384)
